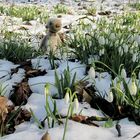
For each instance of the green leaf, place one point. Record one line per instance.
(108, 123)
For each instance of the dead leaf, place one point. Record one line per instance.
(46, 136)
(21, 93)
(86, 97)
(3, 108)
(79, 118)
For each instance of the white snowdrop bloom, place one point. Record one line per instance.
(123, 73)
(134, 57)
(120, 51)
(76, 104)
(67, 98)
(117, 42)
(90, 60)
(103, 51)
(131, 38)
(91, 73)
(84, 48)
(101, 40)
(109, 97)
(100, 52)
(135, 44)
(125, 47)
(137, 39)
(112, 36)
(133, 88)
(106, 41)
(131, 51)
(139, 75)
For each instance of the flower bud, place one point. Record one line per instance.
(67, 97)
(112, 36)
(125, 47)
(139, 75)
(123, 73)
(103, 51)
(106, 41)
(134, 57)
(76, 104)
(133, 88)
(101, 40)
(131, 51)
(91, 73)
(135, 44)
(100, 52)
(120, 51)
(137, 39)
(110, 97)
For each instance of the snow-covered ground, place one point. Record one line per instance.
(75, 131)
(30, 131)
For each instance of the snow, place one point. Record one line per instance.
(36, 102)
(7, 81)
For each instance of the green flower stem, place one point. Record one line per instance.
(65, 129)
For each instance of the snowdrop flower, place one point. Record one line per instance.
(139, 75)
(134, 57)
(131, 51)
(106, 30)
(76, 104)
(84, 48)
(123, 73)
(101, 40)
(137, 39)
(120, 51)
(102, 51)
(112, 36)
(132, 85)
(67, 98)
(91, 73)
(135, 44)
(125, 47)
(109, 97)
(133, 88)
(90, 60)
(117, 42)
(106, 41)
(131, 38)
(6, 46)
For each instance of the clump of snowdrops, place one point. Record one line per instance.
(113, 41)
